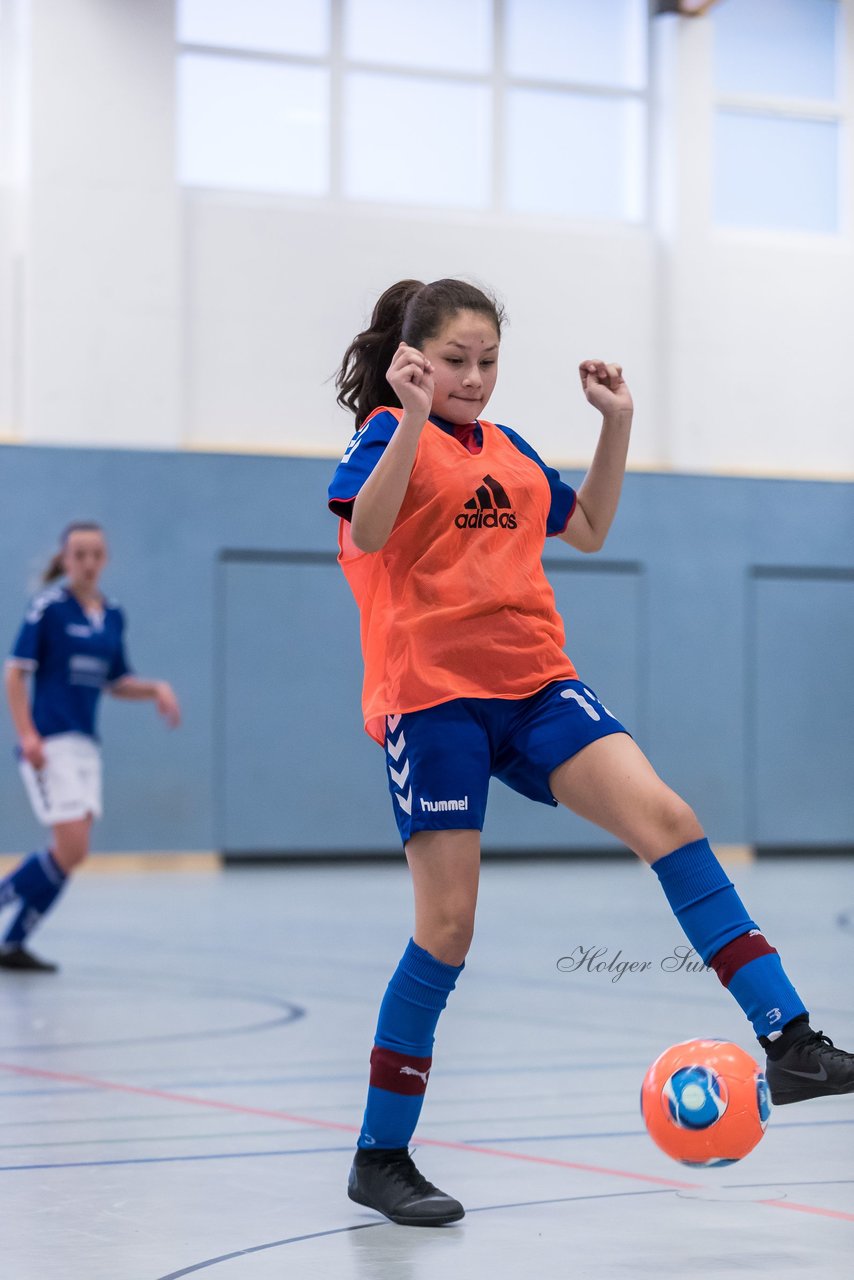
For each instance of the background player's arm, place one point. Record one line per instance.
(17, 693)
(136, 689)
(380, 498)
(600, 490)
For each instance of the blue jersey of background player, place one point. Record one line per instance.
(73, 657)
(71, 643)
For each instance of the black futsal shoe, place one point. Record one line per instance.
(810, 1067)
(24, 961)
(388, 1181)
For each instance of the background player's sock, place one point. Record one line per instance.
(36, 884)
(719, 929)
(403, 1046)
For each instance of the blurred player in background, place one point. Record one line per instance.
(72, 645)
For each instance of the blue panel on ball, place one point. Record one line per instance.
(763, 1099)
(707, 1164)
(695, 1098)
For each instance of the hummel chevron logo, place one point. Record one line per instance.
(393, 722)
(490, 508)
(394, 749)
(399, 779)
(405, 802)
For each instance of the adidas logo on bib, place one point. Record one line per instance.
(490, 508)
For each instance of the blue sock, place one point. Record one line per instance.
(403, 1046)
(36, 883)
(719, 929)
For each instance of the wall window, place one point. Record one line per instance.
(261, 126)
(261, 26)
(518, 106)
(444, 35)
(778, 117)
(416, 141)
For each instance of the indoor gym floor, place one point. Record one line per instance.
(183, 1097)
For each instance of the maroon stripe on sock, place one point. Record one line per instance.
(736, 954)
(399, 1072)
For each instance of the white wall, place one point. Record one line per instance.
(275, 294)
(756, 328)
(159, 317)
(13, 154)
(102, 319)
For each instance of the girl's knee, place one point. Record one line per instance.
(449, 937)
(674, 824)
(71, 847)
(70, 859)
(680, 821)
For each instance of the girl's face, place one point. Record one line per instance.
(83, 559)
(464, 356)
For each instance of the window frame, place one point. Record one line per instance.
(497, 79)
(789, 107)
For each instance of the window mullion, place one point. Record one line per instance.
(795, 108)
(491, 90)
(499, 103)
(254, 55)
(337, 74)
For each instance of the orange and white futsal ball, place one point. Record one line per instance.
(705, 1102)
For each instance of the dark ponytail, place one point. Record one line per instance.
(55, 568)
(409, 312)
(361, 380)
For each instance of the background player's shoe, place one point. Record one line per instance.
(24, 961)
(811, 1067)
(387, 1180)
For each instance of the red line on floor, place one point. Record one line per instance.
(808, 1208)
(163, 1095)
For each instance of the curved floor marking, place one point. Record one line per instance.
(315, 1122)
(292, 1013)
(362, 1226)
(214, 1033)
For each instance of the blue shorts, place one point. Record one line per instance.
(440, 760)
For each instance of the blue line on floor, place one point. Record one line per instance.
(218, 1155)
(634, 1133)
(307, 1151)
(34, 1093)
(343, 1078)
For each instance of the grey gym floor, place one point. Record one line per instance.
(184, 1096)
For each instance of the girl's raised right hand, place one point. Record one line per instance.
(411, 376)
(32, 750)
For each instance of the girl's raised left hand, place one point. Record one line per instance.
(604, 387)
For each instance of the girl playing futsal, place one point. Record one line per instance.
(72, 641)
(443, 516)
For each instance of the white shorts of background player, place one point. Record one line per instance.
(69, 785)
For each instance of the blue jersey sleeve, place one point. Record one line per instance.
(119, 666)
(563, 495)
(361, 456)
(27, 649)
